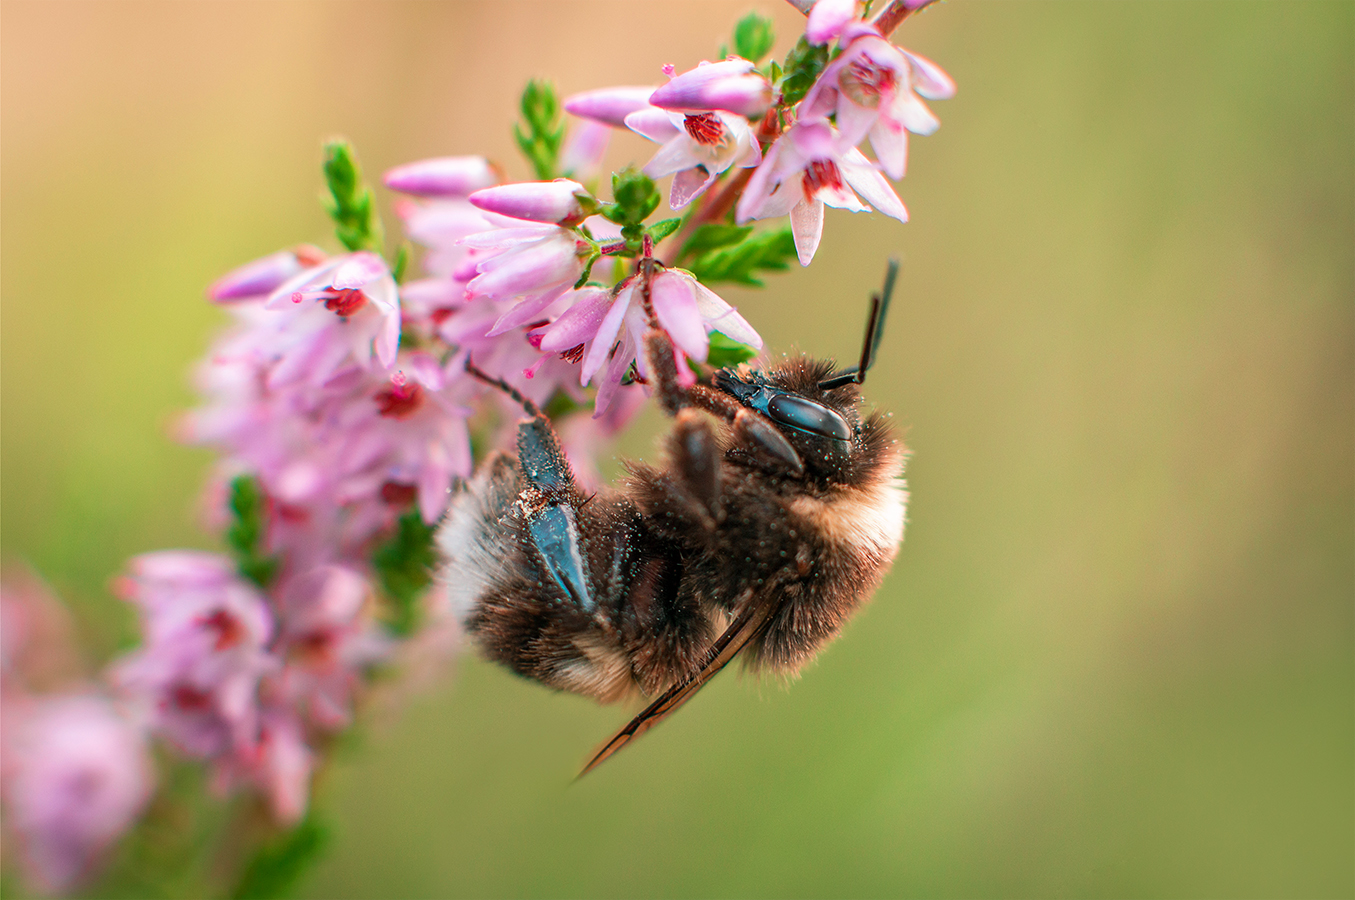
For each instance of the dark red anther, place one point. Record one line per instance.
(227, 627)
(821, 173)
(396, 494)
(189, 698)
(401, 399)
(346, 302)
(573, 354)
(438, 316)
(315, 648)
(705, 128)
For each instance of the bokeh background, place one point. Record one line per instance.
(1116, 656)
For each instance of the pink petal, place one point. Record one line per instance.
(862, 176)
(929, 79)
(255, 278)
(606, 334)
(827, 19)
(720, 316)
(578, 324)
(731, 84)
(536, 201)
(890, 144)
(675, 306)
(688, 185)
(358, 269)
(653, 123)
(806, 223)
(525, 311)
(584, 149)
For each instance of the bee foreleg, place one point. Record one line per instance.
(551, 498)
(697, 460)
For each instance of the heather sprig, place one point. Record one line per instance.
(341, 408)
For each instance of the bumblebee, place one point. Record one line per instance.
(774, 518)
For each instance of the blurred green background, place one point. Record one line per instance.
(1116, 656)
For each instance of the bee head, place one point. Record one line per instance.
(822, 425)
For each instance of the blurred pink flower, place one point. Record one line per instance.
(444, 176)
(346, 309)
(263, 276)
(76, 775)
(610, 106)
(827, 18)
(531, 265)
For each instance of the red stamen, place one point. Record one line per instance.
(396, 494)
(401, 399)
(705, 128)
(315, 648)
(346, 302)
(229, 631)
(864, 82)
(573, 354)
(189, 698)
(438, 316)
(819, 174)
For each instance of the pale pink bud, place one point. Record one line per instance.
(443, 176)
(608, 105)
(558, 202)
(260, 277)
(732, 85)
(827, 19)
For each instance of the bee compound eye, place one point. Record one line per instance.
(806, 415)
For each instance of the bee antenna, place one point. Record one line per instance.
(875, 329)
(532, 409)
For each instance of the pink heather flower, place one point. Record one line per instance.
(805, 169)
(345, 309)
(263, 276)
(205, 632)
(584, 149)
(558, 202)
(697, 147)
(444, 176)
(610, 106)
(732, 85)
(532, 265)
(439, 225)
(327, 642)
(873, 88)
(685, 308)
(76, 775)
(827, 19)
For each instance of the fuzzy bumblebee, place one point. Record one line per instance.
(777, 513)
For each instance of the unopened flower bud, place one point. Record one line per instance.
(558, 202)
(443, 176)
(732, 85)
(827, 19)
(260, 277)
(608, 105)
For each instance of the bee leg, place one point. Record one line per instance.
(750, 428)
(696, 459)
(552, 524)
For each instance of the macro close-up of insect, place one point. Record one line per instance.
(777, 513)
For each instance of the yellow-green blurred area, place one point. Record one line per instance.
(1116, 655)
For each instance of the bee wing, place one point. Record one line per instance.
(742, 630)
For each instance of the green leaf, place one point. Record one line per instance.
(277, 867)
(727, 352)
(713, 235)
(753, 37)
(401, 263)
(660, 230)
(349, 202)
(249, 519)
(404, 565)
(542, 130)
(804, 62)
(767, 251)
